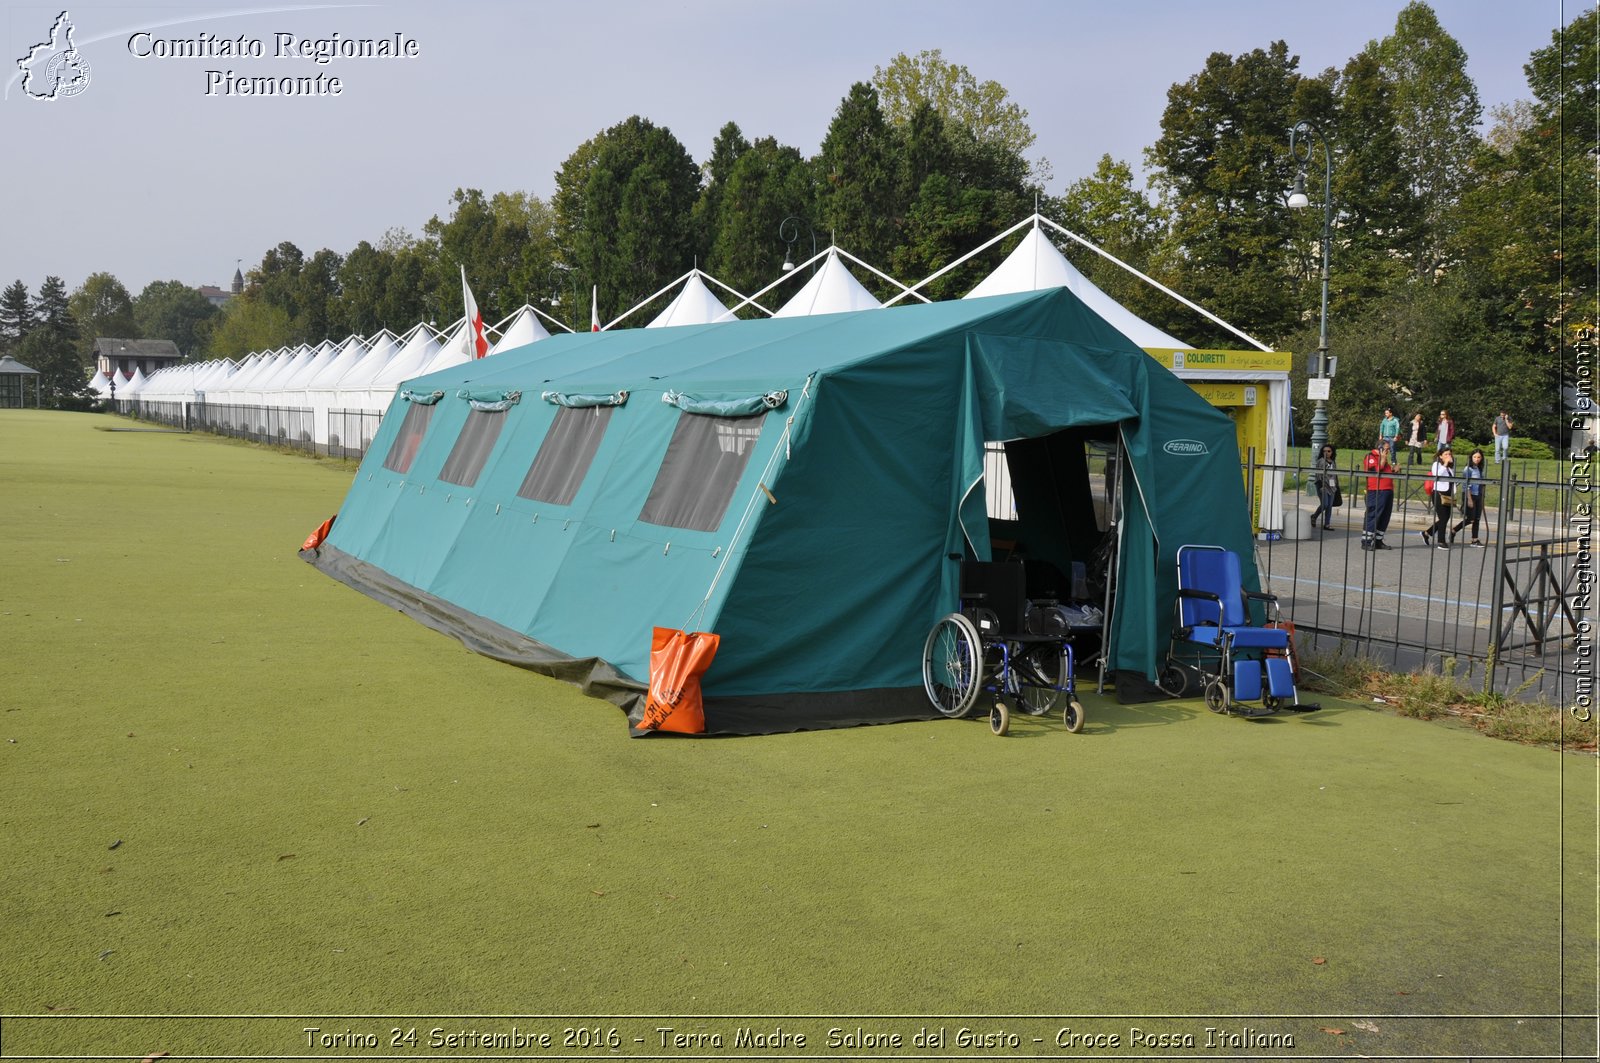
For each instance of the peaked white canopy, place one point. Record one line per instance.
(1037, 263)
(523, 330)
(100, 384)
(693, 305)
(833, 289)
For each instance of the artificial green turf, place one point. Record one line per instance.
(323, 807)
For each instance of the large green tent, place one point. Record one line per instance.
(803, 487)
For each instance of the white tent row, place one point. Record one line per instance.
(363, 374)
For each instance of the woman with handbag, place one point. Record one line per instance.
(1326, 476)
(1442, 487)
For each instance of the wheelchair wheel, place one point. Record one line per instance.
(999, 717)
(1073, 716)
(952, 665)
(1045, 665)
(1217, 695)
(1173, 680)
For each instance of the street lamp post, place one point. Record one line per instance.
(1300, 147)
(789, 232)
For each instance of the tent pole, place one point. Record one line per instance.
(1115, 516)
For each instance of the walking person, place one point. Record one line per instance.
(1380, 499)
(1502, 436)
(1442, 479)
(1445, 433)
(1472, 480)
(1388, 431)
(1326, 475)
(1414, 440)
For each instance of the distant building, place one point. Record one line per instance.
(122, 357)
(216, 296)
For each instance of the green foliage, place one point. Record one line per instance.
(250, 325)
(768, 183)
(101, 306)
(985, 109)
(1437, 108)
(1423, 347)
(171, 310)
(16, 315)
(1106, 209)
(859, 177)
(1222, 165)
(505, 242)
(624, 213)
(1532, 449)
(52, 347)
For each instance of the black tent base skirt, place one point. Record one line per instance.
(727, 715)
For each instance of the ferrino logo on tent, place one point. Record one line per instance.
(1185, 448)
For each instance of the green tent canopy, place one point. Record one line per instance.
(803, 487)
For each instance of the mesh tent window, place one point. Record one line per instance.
(566, 454)
(404, 448)
(701, 468)
(472, 447)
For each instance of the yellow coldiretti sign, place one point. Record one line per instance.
(1178, 359)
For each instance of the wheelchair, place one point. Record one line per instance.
(1216, 649)
(987, 647)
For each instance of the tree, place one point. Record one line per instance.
(858, 175)
(1526, 227)
(1437, 110)
(1222, 165)
(51, 346)
(624, 203)
(16, 315)
(727, 149)
(249, 325)
(171, 310)
(316, 297)
(1380, 222)
(768, 183)
(985, 109)
(957, 191)
(1426, 347)
(101, 306)
(1106, 209)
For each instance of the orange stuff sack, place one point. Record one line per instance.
(677, 661)
(315, 539)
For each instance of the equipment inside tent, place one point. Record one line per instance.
(833, 289)
(805, 488)
(1251, 386)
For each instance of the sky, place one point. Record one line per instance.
(154, 170)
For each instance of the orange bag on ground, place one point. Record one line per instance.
(677, 661)
(315, 539)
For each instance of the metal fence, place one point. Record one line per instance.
(1510, 616)
(284, 426)
(350, 432)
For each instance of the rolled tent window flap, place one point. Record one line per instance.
(561, 398)
(743, 406)
(422, 398)
(702, 466)
(495, 401)
(404, 448)
(566, 454)
(472, 447)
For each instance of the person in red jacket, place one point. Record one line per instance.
(1380, 501)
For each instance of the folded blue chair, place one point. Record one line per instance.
(1215, 645)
